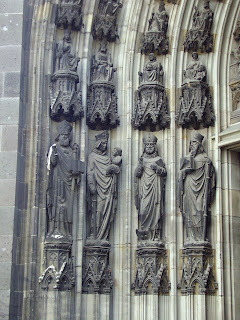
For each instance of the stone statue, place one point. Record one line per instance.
(159, 21)
(153, 71)
(195, 70)
(150, 178)
(102, 67)
(197, 185)
(102, 174)
(199, 36)
(66, 59)
(104, 25)
(64, 174)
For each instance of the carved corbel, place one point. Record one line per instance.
(69, 14)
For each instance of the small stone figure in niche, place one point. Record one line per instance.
(199, 36)
(102, 175)
(66, 59)
(64, 174)
(153, 71)
(195, 100)
(102, 67)
(104, 25)
(151, 105)
(195, 70)
(150, 178)
(155, 38)
(197, 183)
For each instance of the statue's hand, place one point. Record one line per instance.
(188, 170)
(154, 167)
(75, 146)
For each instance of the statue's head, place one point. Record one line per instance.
(161, 6)
(117, 152)
(152, 57)
(196, 146)
(150, 143)
(206, 5)
(195, 56)
(67, 35)
(102, 141)
(103, 46)
(64, 133)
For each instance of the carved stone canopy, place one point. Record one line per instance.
(65, 98)
(195, 100)
(102, 100)
(155, 39)
(151, 104)
(236, 33)
(198, 270)
(151, 270)
(69, 14)
(199, 37)
(105, 20)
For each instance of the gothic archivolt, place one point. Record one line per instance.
(120, 234)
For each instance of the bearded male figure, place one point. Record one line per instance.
(64, 173)
(150, 178)
(102, 189)
(197, 185)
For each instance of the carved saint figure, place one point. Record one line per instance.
(102, 174)
(195, 70)
(203, 20)
(65, 57)
(153, 71)
(159, 21)
(102, 67)
(64, 173)
(111, 8)
(197, 183)
(150, 178)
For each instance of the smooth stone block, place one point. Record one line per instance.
(7, 192)
(11, 29)
(6, 218)
(8, 167)
(12, 84)
(10, 58)
(9, 110)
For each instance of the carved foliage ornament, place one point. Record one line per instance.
(102, 100)
(151, 106)
(69, 14)
(105, 21)
(199, 37)
(195, 101)
(65, 99)
(156, 37)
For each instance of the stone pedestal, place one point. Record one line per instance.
(97, 276)
(58, 273)
(197, 269)
(195, 105)
(102, 106)
(151, 107)
(151, 269)
(66, 101)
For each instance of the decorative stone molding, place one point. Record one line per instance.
(151, 104)
(156, 37)
(198, 268)
(195, 100)
(151, 264)
(69, 14)
(105, 21)
(199, 37)
(102, 100)
(97, 277)
(65, 99)
(58, 273)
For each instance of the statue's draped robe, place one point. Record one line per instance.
(193, 192)
(149, 195)
(59, 192)
(105, 195)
